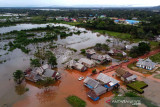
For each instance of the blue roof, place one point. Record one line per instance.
(132, 21)
(95, 99)
(89, 86)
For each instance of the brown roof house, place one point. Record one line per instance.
(125, 75)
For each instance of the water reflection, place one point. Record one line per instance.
(21, 89)
(47, 95)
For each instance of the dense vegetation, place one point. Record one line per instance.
(143, 31)
(155, 58)
(22, 40)
(139, 50)
(101, 47)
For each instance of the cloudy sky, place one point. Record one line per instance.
(22, 3)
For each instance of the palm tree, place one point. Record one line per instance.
(18, 76)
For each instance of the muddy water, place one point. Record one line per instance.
(68, 85)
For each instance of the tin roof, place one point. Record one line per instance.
(91, 82)
(106, 79)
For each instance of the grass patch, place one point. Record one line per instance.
(69, 23)
(157, 76)
(123, 36)
(138, 86)
(154, 45)
(155, 58)
(72, 49)
(75, 101)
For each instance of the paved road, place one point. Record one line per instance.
(125, 64)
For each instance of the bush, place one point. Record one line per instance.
(75, 101)
(94, 71)
(83, 51)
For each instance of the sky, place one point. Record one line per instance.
(43, 3)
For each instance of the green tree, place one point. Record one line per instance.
(18, 76)
(143, 48)
(94, 71)
(83, 51)
(53, 61)
(35, 62)
(46, 82)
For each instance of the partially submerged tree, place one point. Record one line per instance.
(94, 71)
(18, 76)
(51, 58)
(35, 62)
(46, 82)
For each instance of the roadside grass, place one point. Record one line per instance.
(137, 86)
(157, 76)
(69, 23)
(155, 58)
(154, 45)
(76, 101)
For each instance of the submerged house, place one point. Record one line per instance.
(107, 81)
(100, 85)
(101, 58)
(90, 52)
(40, 73)
(75, 65)
(125, 75)
(146, 64)
(87, 62)
(91, 83)
(95, 93)
(51, 73)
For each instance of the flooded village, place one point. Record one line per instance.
(58, 61)
(92, 75)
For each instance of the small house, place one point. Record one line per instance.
(51, 73)
(91, 94)
(90, 52)
(129, 47)
(40, 73)
(101, 58)
(107, 81)
(125, 75)
(86, 62)
(91, 83)
(111, 52)
(95, 93)
(75, 65)
(146, 64)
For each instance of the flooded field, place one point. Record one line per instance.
(67, 85)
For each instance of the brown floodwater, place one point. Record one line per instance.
(13, 95)
(55, 95)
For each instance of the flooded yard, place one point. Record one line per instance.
(67, 85)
